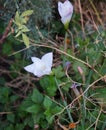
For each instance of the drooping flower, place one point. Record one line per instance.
(74, 88)
(42, 66)
(65, 10)
(67, 65)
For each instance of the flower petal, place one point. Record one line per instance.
(29, 68)
(60, 6)
(65, 10)
(48, 59)
(41, 66)
(35, 59)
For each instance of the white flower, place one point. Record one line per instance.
(42, 66)
(65, 10)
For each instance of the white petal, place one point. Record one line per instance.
(42, 69)
(66, 19)
(42, 72)
(48, 59)
(29, 68)
(38, 74)
(35, 59)
(65, 10)
(39, 68)
(60, 8)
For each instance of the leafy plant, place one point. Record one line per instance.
(73, 95)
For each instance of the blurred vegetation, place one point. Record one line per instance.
(32, 28)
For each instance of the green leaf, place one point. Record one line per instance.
(25, 29)
(4, 95)
(47, 102)
(18, 34)
(10, 127)
(17, 19)
(21, 30)
(58, 71)
(50, 112)
(36, 108)
(29, 121)
(56, 109)
(11, 118)
(7, 48)
(37, 117)
(49, 116)
(49, 85)
(37, 97)
(24, 20)
(19, 127)
(25, 39)
(25, 104)
(27, 13)
(13, 98)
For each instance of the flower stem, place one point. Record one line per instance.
(65, 41)
(72, 41)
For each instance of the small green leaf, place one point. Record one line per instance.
(25, 29)
(49, 85)
(17, 19)
(11, 118)
(59, 73)
(24, 21)
(25, 39)
(27, 13)
(56, 109)
(50, 112)
(47, 102)
(18, 34)
(38, 116)
(36, 108)
(49, 116)
(37, 97)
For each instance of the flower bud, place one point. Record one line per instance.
(80, 70)
(65, 10)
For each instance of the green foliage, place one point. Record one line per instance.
(51, 109)
(37, 97)
(4, 94)
(76, 64)
(49, 85)
(11, 118)
(20, 21)
(42, 107)
(7, 49)
(58, 72)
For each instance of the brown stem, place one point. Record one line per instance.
(4, 36)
